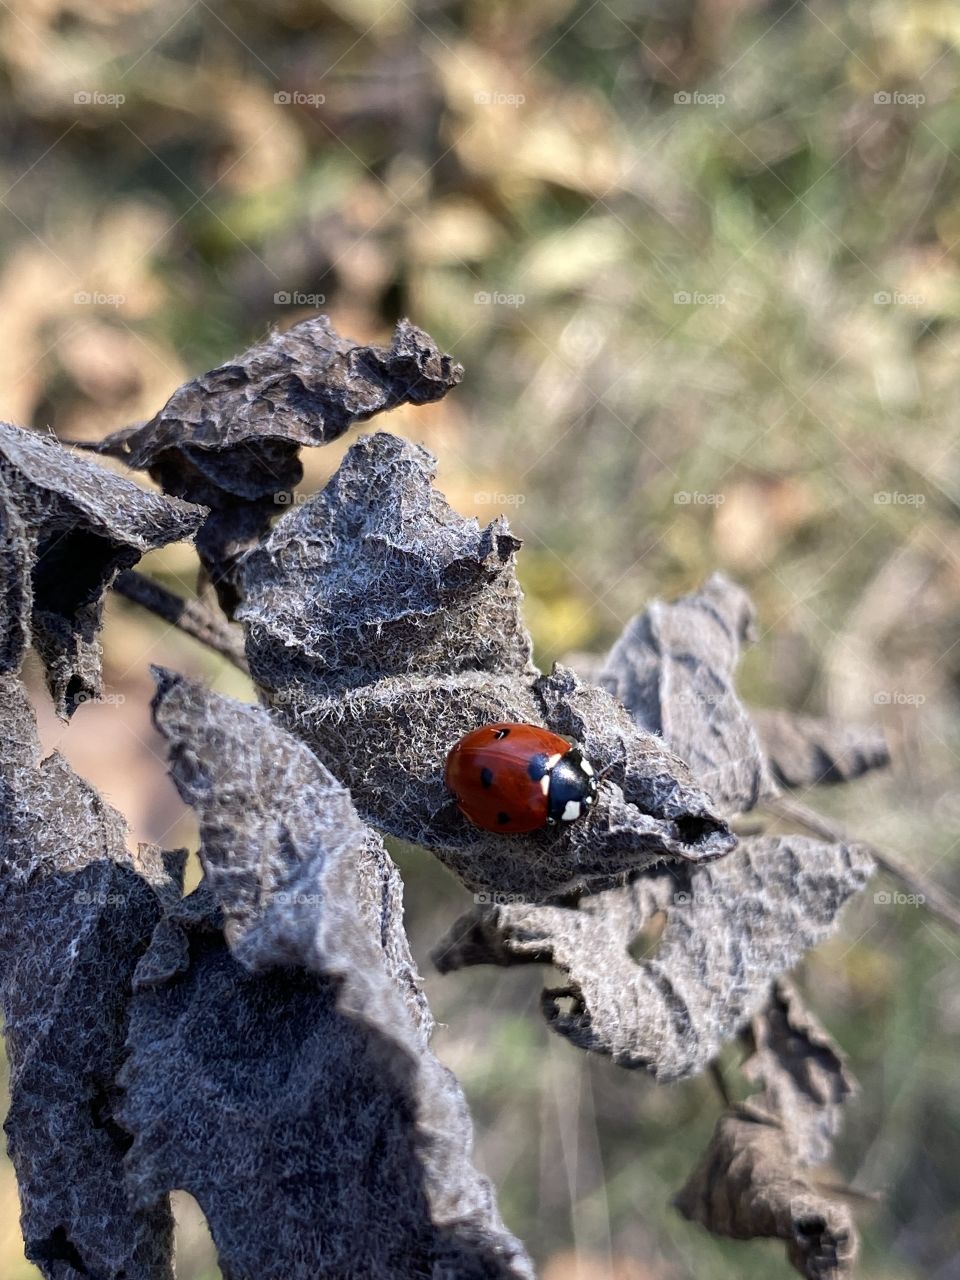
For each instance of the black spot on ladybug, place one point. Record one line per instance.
(537, 765)
(501, 733)
(486, 777)
(503, 818)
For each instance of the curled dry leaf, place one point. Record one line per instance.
(804, 750)
(752, 1179)
(730, 927)
(76, 912)
(68, 528)
(231, 437)
(747, 1185)
(284, 990)
(382, 626)
(673, 669)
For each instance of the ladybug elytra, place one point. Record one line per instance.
(514, 778)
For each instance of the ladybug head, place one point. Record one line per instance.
(573, 788)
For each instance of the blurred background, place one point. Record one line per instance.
(701, 261)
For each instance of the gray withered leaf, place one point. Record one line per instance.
(731, 926)
(802, 1071)
(806, 750)
(320, 1135)
(67, 528)
(752, 1180)
(76, 913)
(382, 626)
(230, 438)
(673, 669)
(748, 1185)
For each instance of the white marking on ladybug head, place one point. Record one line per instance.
(552, 760)
(587, 767)
(571, 811)
(545, 784)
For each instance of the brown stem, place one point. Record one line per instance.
(189, 616)
(935, 898)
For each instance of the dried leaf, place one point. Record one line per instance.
(673, 668)
(751, 1182)
(804, 751)
(802, 1072)
(731, 926)
(76, 912)
(382, 626)
(320, 1135)
(231, 437)
(747, 1186)
(69, 527)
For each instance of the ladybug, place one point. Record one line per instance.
(514, 778)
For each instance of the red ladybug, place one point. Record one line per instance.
(513, 778)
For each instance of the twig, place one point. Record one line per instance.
(933, 896)
(188, 615)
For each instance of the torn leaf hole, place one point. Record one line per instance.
(562, 1002)
(645, 944)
